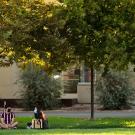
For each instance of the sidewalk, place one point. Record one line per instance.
(76, 107)
(80, 111)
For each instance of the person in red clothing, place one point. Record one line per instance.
(41, 118)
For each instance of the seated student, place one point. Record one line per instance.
(8, 119)
(41, 120)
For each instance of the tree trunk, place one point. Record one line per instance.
(92, 92)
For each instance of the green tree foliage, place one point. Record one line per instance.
(115, 91)
(39, 88)
(101, 31)
(32, 32)
(98, 32)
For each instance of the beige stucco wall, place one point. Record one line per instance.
(83, 92)
(8, 78)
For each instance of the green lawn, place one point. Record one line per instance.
(76, 126)
(77, 123)
(112, 131)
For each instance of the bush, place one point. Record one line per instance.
(114, 91)
(39, 88)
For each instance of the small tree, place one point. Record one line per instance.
(101, 31)
(39, 88)
(114, 91)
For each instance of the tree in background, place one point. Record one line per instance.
(31, 29)
(101, 33)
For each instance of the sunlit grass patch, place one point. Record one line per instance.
(129, 123)
(108, 131)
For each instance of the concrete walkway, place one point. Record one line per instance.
(80, 111)
(84, 114)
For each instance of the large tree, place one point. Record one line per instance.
(31, 30)
(101, 33)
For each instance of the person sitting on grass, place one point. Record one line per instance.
(40, 120)
(8, 119)
(41, 117)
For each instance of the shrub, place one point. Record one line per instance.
(114, 91)
(39, 88)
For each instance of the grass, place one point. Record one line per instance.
(77, 126)
(119, 131)
(78, 123)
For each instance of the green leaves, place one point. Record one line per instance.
(32, 29)
(95, 31)
(100, 31)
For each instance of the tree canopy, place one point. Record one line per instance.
(31, 30)
(54, 35)
(102, 32)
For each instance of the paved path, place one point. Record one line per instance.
(85, 114)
